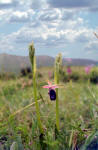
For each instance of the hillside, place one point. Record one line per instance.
(13, 63)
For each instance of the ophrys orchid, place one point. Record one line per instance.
(52, 92)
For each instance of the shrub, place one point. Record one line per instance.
(25, 71)
(66, 77)
(94, 77)
(63, 76)
(7, 75)
(75, 76)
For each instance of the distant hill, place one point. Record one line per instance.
(13, 63)
(79, 62)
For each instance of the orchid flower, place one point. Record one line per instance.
(51, 92)
(50, 86)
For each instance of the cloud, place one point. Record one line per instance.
(50, 15)
(48, 37)
(58, 27)
(16, 16)
(6, 44)
(9, 4)
(23, 12)
(38, 4)
(15, 5)
(19, 16)
(47, 28)
(52, 39)
(5, 1)
(41, 4)
(68, 14)
(65, 53)
(77, 4)
(84, 35)
(92, 46)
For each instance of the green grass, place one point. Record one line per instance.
(78, 108)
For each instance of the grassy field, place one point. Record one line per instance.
(78, 108)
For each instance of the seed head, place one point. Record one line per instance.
(59, 59)
(31, 53)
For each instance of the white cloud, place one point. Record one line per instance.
(92, 46)
(50, 15)
(5, 1)
(49, 37)
(9, 4)
(6, 44)
(48, 28)
(38, 4)
(19, 16)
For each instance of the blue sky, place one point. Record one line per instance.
(55, 26)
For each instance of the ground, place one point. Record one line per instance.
(78, 113)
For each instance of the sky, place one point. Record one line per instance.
(55, 26)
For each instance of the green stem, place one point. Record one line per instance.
(88, 81)
(57, 99)
(57, 110)
(35, 96)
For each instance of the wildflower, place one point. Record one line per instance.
(87, 69)
(69, 71)
(52, 92)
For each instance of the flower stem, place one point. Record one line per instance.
(33, 63)
(57, 110)
(35, 96)
(56, 78)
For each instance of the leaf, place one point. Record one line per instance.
(71, 136)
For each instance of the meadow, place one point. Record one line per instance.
(78, 111)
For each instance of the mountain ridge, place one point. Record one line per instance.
(13, 63)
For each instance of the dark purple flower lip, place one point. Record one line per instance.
(52, 94)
